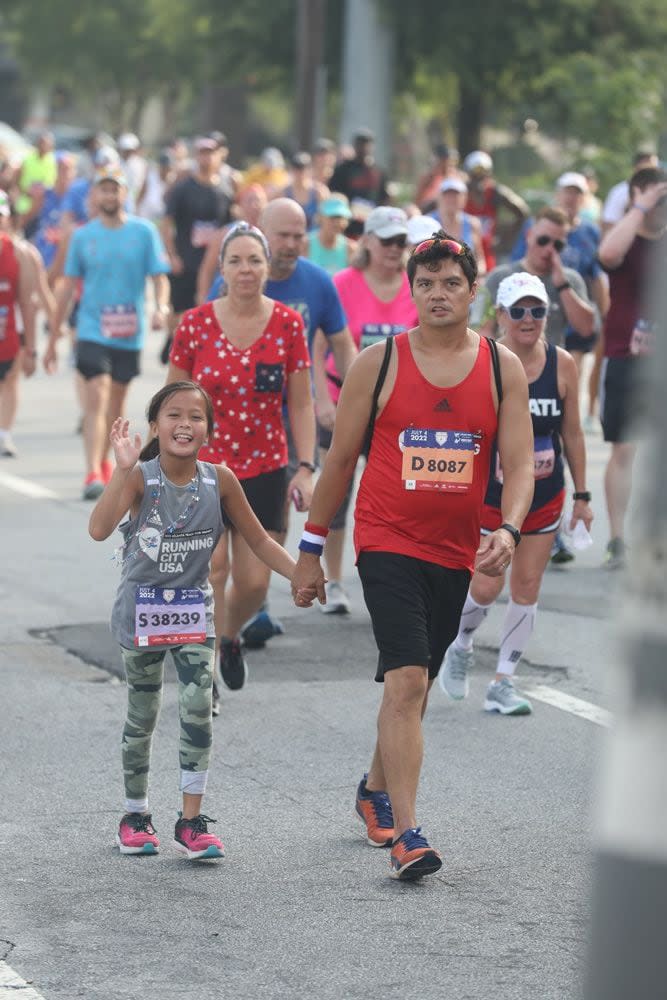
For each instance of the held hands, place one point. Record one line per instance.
(308, 581)
(495, 553)
(126, 452)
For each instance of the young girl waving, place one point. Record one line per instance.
(164, 600)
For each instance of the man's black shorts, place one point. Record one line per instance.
(624, 391)
(183, 290)
(266, 495)
(97, 359)
(415, 608)
(575, 342)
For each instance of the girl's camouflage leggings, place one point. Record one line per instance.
(144, 672)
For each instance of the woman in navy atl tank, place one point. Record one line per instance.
(521, 307)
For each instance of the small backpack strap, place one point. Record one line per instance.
(382, 374)
(495, 361)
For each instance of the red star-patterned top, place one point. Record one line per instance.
(246, 386)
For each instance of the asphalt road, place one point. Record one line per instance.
(300, 907)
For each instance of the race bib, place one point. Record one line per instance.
(438, 460)
(119, 322)
(201, 233)
(544, 459)
(373, 333)
(642, 340)
(169, 617)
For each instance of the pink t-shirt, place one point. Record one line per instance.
(368, 317)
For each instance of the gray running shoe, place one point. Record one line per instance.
(338, 603)
(615, 556)
(453, 676)
(502, 697)
(92, 489)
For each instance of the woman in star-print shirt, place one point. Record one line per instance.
(245, 350)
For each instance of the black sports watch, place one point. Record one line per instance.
(514, 532)
(582, 495)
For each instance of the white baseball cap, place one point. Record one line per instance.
(520, 285)
(479, 160)
(128, 141)
(572, 179)
(454, 184)
(421, 227)
(387, 221)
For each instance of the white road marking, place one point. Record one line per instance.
(26, 488)
(12, 987)
(568, 703)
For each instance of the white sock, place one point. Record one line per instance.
(136, 805)
(517, 630)
(472, 616)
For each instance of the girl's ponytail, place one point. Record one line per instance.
(150, 450)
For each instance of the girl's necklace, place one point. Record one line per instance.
(153, 519)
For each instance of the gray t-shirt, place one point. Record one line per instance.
(557, 325)
(169, 544)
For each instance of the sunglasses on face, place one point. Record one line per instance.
(544, 241)
(393, 241)
(451, 245)
(518, 312)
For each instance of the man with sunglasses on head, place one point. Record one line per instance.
(428, 400)
(570, 305)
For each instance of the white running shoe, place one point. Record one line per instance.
(338, 603)
(7, 446)
(453, 676)
(502, 697)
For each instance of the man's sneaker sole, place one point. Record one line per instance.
(493, 706)
(144, 849)
(334, 609)
(427, 864)
(373, 843)
(210, 852)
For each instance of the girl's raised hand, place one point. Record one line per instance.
(125, 450)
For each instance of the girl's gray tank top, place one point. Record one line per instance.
(169, 544)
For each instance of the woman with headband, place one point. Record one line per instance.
(246, 350)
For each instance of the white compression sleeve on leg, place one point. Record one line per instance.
(472, 616)
(517, 630)
(194, 782)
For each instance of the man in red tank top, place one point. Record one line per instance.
(418, 514)
(17, 280)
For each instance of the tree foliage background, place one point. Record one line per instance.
(589, 71)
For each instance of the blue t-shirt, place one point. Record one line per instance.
(309, 290)
(114, 265)
(76, 198)
(47, 237)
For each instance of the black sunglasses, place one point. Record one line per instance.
(544, 241)
(518, 312)
(394, 241)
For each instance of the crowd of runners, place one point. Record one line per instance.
(309, 320)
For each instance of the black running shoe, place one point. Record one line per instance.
(233, 668)
(215, 704)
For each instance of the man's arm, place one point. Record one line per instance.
(162, 307)
(343, 349)
(64, 294)
(515, 450)
(325, 408)
(209, 267)
(352, 416)
(574, 445)
(618, 240)
(167, 232)
(574, 299)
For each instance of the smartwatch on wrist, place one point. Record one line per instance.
(514, 532)
(582, 495)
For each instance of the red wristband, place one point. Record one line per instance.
(316, 529)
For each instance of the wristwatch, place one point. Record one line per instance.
(514, 532)
(582, 495)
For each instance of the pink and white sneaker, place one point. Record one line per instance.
(191, 837)
(136, 834)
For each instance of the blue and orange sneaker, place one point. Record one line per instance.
(191, 837)
(411, 857)
(374, 810)
(136, 834)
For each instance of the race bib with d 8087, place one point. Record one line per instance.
(165, 617)
(438, 460)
